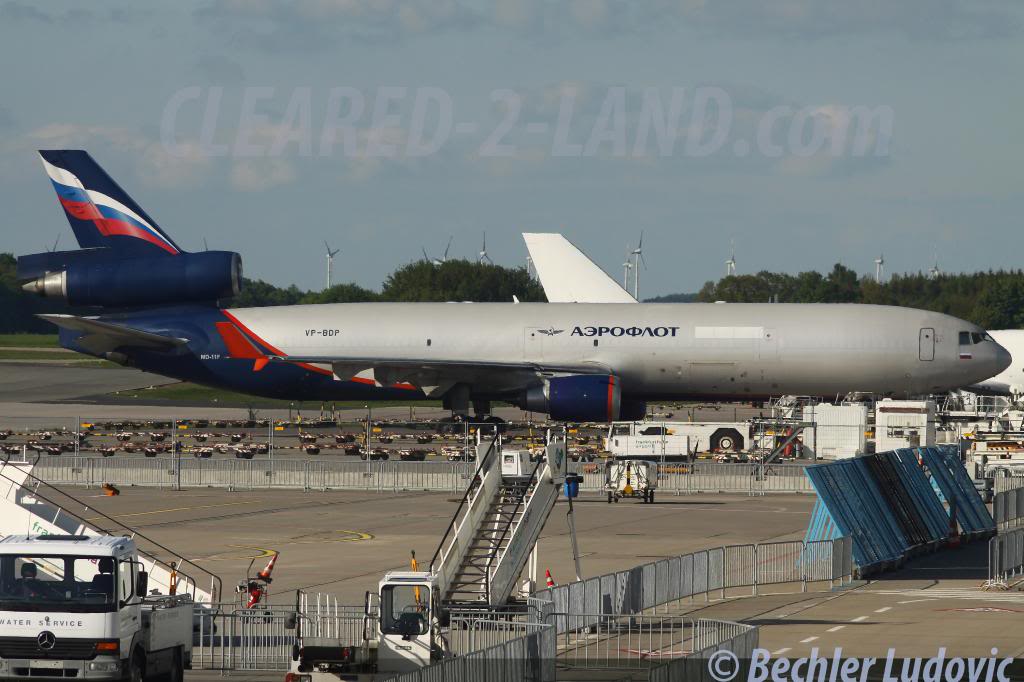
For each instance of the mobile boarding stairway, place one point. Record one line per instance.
(28, 505)
(497, 524)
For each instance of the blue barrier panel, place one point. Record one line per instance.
(892, 502)
(951, 477)
(930, 507)
(853, 504)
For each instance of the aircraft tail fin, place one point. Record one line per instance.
(102, 215)
(567, 275)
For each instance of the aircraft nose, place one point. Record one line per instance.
(1001, 360)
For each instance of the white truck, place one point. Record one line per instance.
(676, 439)
(75, 607)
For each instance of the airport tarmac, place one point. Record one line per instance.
(343, 542)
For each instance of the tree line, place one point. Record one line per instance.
(992, 299)
(453, 280)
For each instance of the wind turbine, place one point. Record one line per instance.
(638, 258)
(934, 271)
(483, 252)
(626, 267)
(730, 265)
(330, 262)
(442, 259)
(879, 267)
(55, 243)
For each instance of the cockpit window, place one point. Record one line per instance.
(971, 338)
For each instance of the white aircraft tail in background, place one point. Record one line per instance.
(568, 275)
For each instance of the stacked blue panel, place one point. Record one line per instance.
(929, 506)
(859, 511)
(951, 477)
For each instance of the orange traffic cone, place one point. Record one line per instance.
(268, 569)
(548, 578)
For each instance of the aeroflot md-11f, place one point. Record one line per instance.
(157, 309)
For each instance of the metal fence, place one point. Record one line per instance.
(228, 637)
(1005, 559)
(232, 638)
(384, 476)
(610, 621)
(738, 638)
(1008, 508)
(659, 645)
(660, 583)
(1002, 483)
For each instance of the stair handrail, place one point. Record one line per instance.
(217, 591)
(508, 525)
(470, 489)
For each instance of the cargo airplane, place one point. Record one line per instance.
(158, 308)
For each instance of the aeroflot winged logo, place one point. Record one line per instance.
(551, 331)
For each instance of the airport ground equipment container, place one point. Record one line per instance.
(631, 478)
(904, 424)
(839, 430)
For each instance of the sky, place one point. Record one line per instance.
(808, 132)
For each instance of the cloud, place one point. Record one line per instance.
(219, 70)
(921, 19)
(153, 164)
(77, 17)
(310, 25)
(256, 175)
(925, 19)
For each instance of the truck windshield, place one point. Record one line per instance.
(403, 610)
(57, 583)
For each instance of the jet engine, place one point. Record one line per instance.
(125, 282)
(582, 397)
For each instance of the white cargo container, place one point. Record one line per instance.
(839, 430)
(904, 424)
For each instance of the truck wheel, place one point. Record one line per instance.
(135, 669)
(177, 671)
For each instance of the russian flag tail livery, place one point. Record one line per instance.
(100, 212)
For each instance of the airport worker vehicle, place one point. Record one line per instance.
(76, 607)
(631, 478)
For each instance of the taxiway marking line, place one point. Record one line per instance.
(174, 509)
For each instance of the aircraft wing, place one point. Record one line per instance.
(435, 377)
(102, 337)
(568, 275)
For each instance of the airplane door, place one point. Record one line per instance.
(926, 344)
